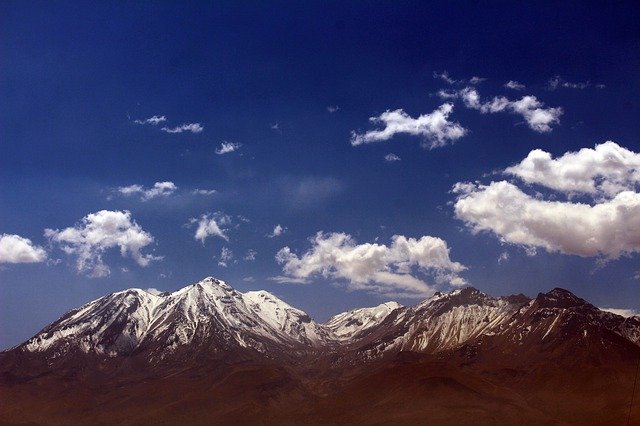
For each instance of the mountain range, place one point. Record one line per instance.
(208, 352)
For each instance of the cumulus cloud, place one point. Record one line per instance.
(16, 249)
(203, 191)
(622, 311)
(538, 117)
(607, 227)
(154, 121)
(435, 128)
(391, 157)
(190, 127)
(376, 268)
(603, 171)
(515, 85)
(159, 189)
(211, 225)
(557, 82)
(98, 232)
(226, 256)
(227, 147)
(277, 231)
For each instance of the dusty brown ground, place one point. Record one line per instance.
(411, 389)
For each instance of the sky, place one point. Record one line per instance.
(336, 154)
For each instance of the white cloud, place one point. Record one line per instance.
(608, 229)
(557, 81)
(203, 191)
(249, 279)
(153, 291)
(190, 127)
(435, 127)
(374, 267)
(211, 225)
(333, 108)
(603, 171)
(159, 189)
(155, 120)
(391, 157)
(515, 85)
(275, 126)
(600, 86)
(604, 224)
(251, 255)
(277, 231)
(227, 147)
(538, 118)
(98, 232)
(226, 255)
(16, 249)
(622, 311)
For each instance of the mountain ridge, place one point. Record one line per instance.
(209, 353)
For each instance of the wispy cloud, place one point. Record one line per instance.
(16, 249)
(559, 82)
(435, 127)
(333, 108)
(190, 127)
(444, 76)
(251, 255)
(227, 147)
(203, 191)
(226, 256)
(277, 231)
(303, 193)
(512, 84)
(159, 189)
(538, 117)
(154, 121)
(391, 158)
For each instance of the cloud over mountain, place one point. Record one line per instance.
(98, 232)
(376, 268)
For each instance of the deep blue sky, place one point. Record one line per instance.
(75, 75)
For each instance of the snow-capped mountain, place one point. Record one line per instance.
(210, 315)
(211, 319)
(467, 316)
(354, 324)
(210, 354)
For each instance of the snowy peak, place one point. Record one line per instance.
(208, 314)
(211, 318)
(355, 323)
